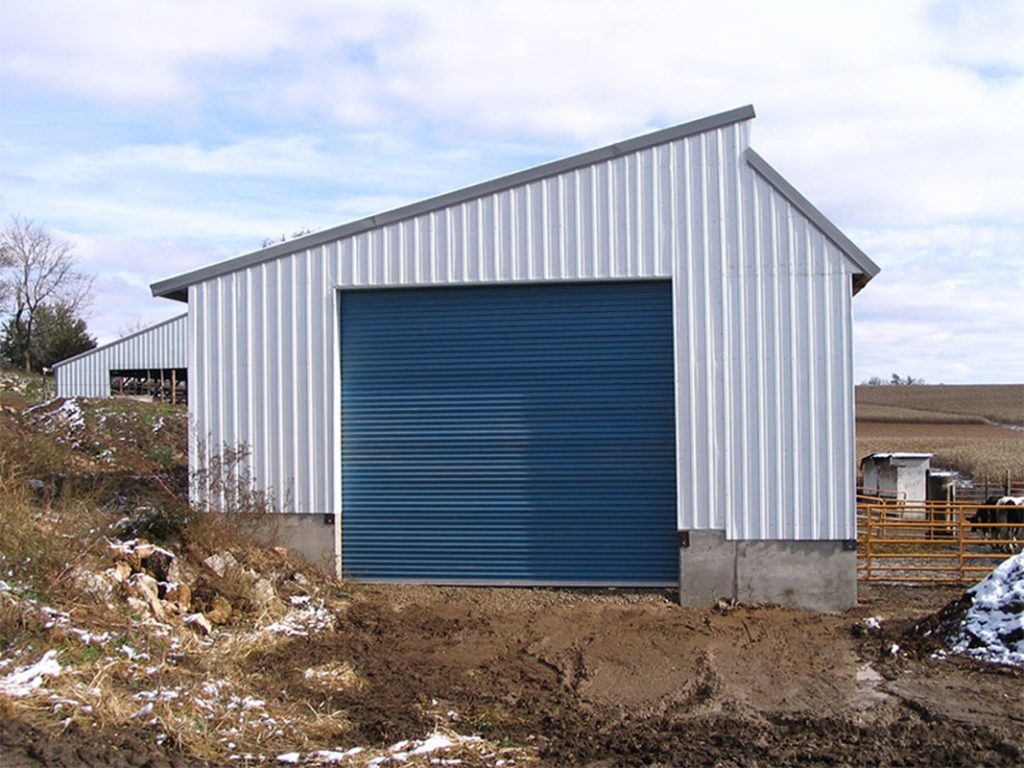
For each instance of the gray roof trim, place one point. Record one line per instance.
(115, 342)
(867, 267)
(176, 287)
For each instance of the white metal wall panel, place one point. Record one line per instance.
(88, 374)
(762, 311)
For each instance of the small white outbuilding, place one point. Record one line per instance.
(900, 476)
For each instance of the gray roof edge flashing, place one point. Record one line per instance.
(115, 342)
(172, 287)
(801, 203)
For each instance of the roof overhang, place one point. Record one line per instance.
(866, 268)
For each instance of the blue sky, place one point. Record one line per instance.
(158, 137)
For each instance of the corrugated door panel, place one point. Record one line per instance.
(513, 434)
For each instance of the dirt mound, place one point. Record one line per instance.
(986, 622)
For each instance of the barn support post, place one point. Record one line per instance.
(174, 386)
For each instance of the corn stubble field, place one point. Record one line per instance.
(976, 429)
(136, 632)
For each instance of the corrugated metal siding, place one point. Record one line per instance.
(509, 434)
(160, 346)
(762, 325)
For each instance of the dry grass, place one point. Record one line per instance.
(1001, 403)
(128, 671)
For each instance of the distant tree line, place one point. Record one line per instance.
(894, 380)
(42, 296)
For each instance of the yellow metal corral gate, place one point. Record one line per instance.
(933, 542)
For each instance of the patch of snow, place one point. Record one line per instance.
(253, 703)
(310, 619)
(23, 681)
(141, 548)
(167, 694)
(289, 758)
(132, 654)
(89, 638)
(993, 627)
(872, 623)
(403, 750)
(332, 756)
(298, 599)
(143, 711)
(894, 649)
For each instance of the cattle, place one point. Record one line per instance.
(1008, 511)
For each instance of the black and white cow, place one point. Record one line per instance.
(1009, 514)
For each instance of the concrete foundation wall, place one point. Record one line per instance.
(306, 535)
(815, 575)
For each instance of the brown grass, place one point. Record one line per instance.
(1001, 403)
(982, 451)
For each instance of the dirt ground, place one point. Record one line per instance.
(628, 678)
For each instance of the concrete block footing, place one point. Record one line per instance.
(306, 535)
(815, 575)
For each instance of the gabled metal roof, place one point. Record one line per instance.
(176, 287)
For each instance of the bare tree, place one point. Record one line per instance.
(37, 270)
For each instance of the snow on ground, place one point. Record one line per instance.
(993, 627)
(396, 754)
(307, 619)
(68, 417)
(24, 680)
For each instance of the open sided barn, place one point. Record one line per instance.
(152, 361)
(628, 367)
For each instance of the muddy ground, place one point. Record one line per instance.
(631, 678)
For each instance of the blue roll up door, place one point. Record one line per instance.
(509, 434)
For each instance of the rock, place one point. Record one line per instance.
(221, 562)
(158, 562)
(200, 622)
(146, 589)
(96, 584)
(219, 611)
(144, 549)
(263, 593)
(283, 551)
(120, 572)
(174, 574)
(179, 595)
(137, 606)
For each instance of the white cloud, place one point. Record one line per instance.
(218, 124)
